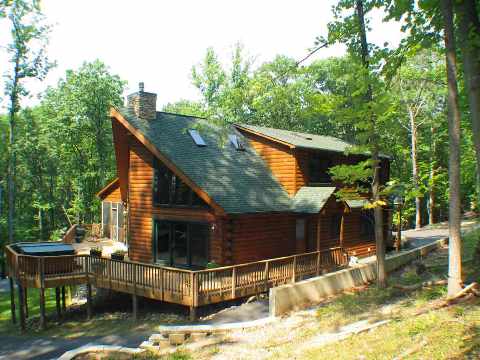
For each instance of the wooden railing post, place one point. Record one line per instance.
(134, 295)
(234, 281)
(109, 273)
(194, 295)
(318, 263)
(294, 268)
(267, 268)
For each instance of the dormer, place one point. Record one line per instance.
(300, 159)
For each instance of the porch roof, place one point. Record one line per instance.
(311, 199)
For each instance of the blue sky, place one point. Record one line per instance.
(158, 41)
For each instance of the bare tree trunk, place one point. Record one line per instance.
(12, 159)
(378, 209)
(455, 241)
(431, 188)
(418, 200)
(469, 35)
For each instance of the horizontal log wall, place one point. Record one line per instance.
(262, 236)
(279, 158)
(114, 195)
(140, 178)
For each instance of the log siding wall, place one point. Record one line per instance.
(279, 158)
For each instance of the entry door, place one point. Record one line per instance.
(114, 222)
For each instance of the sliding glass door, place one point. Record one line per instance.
(181, 244)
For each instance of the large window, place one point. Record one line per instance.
(168, 189)
(182, 244)
(318, 170)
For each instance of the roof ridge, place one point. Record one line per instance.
(183, 115)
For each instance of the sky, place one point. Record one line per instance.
(158, 41)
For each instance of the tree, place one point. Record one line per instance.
(455, 241)
(469, 35)
(417, 85)
(78, 109)
(27, 31)
(351, 30)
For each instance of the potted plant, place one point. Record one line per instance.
(96, 251)
(118, 255)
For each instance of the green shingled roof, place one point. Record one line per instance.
(311, 200)
(356, 204)
(238, 181)
(301, 140)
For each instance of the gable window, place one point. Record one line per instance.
(318, 170)
(170, 190)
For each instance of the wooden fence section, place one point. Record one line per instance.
(185, 287)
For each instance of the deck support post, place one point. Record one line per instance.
(12, 300)
(25, 295)
(134, 307)
(57, 302)
(21, 299)
(64, 304)
(43, 319)
(193, 313)
(89, 301)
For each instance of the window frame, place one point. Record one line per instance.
(317, 159)
(171, 242)
(172, 189)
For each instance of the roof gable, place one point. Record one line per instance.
(238, 181)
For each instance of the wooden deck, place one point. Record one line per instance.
(174, 285)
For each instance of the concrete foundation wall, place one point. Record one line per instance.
(299, 295)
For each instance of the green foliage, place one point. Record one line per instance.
(65, 152)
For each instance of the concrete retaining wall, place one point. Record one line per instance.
(303, 293)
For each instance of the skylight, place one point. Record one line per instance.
(197, 138)
(236, 142)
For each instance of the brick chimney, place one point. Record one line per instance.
(143, 104)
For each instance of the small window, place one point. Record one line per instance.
(236, 142)
(197, 138)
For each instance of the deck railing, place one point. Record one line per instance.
(192, 288)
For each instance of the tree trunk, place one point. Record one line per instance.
(455, 241)
(469, 35)
(378, 209)
(418, 200)
(431, 188)
(12, 158)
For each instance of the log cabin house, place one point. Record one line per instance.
(197, 196)
(257, 201)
